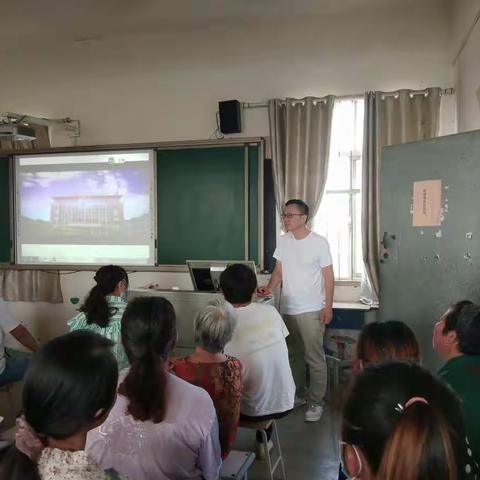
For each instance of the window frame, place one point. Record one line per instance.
(355, 195)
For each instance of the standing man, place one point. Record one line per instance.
(304, 265)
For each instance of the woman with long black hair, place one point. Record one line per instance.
(103, 308)
(69, 389)
(402, 423)
(160, 427)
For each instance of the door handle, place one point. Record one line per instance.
(384, 241)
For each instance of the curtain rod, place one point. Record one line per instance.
(444, 91)
(265, 104)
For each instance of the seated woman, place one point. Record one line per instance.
(12, 368)
(103, 309)
(401, 423)
(69, 389)
(258, 341)
(160, 427)
(383, 341)
(219, 374)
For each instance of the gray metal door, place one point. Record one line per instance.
(425, 269)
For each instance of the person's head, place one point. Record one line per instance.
(400, 422)
(69, 388)
(295, 215)
(468, 330)
(445, 337)
(213, 327)
(384, 341)
(238, 284)
(148, 334)
(110, 280)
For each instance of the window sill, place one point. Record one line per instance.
(350, 306)
(347, 283)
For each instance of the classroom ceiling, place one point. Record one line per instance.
(79, 20)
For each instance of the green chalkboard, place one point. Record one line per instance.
(5, 231)
(201, 204)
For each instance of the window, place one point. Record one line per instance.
(339, 216)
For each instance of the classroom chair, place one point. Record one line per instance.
(237, 465)
(274, 458)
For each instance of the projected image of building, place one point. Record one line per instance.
(101, 214)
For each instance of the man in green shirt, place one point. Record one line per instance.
(456, 338)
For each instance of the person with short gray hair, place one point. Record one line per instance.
(213, 327)
(219, 374)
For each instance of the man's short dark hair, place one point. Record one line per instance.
(451, 318)
(238, 283)
(468, 330)
(302, 206)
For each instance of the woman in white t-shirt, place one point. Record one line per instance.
(258, 341)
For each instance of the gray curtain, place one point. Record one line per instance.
(300, 140)
(391, 118)
(30, 285)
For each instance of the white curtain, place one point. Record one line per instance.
(30, 286)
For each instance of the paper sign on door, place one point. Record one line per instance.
(427, 203)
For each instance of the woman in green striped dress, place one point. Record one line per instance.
(103, 309)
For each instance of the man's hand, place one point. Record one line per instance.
(264, 292)
(326, 315)
(275, 279)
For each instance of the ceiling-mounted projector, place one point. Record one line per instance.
(15, 131)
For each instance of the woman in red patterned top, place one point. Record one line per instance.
(218, 374)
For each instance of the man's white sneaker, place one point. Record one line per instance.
(314, 413)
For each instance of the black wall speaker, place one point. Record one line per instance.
(230, 116)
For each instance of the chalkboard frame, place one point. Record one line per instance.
(7, 260)
(6, 209)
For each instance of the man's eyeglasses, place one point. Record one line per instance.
(291, 215)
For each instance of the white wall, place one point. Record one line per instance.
(165, 85)
(467, 67)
